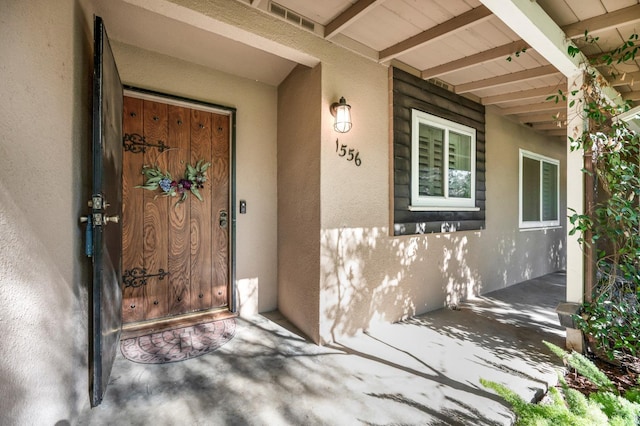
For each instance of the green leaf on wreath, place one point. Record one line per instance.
(195, 192)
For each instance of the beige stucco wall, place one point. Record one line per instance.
(369, 277)
(355, 199)
(44, 149)
(299, 130)
(366, 275)
(256, 122)
(519, 255)
(363, 274)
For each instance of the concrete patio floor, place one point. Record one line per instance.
(423, 371)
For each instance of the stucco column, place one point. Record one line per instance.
(576, 123)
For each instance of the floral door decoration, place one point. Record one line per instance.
(192, 180)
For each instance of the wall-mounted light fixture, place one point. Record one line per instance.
(342, 113)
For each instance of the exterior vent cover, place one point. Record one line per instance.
(440, 83)
(291, 16)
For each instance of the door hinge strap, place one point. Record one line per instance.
(137, 277)
(137, 144)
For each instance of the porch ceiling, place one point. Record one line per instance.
(460, 43)
(465, 46)
(165, 28)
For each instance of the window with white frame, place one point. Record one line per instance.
(539, 191)
(443, 160)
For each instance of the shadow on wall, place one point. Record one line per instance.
(368, 277)
(524, 255)
(461, 281)
(41, 346)
(557, 254)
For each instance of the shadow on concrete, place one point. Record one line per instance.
(424, 370)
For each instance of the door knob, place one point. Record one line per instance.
(223, 218)
(114, 219)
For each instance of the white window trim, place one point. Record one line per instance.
(542, 224)
(433, 203)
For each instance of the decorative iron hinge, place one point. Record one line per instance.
(137, 277)
(136, 143)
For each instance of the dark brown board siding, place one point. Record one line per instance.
(410, 92)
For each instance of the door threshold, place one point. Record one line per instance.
(137, 329)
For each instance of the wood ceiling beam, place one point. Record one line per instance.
(543, 118)
(535, 107)
(477, 59)
(547, 126)
(626, 79)
(501, 80)
(541, 92)
(559, 132)
(460, 22)
(627, 15)
(349, 16)
(631, 96)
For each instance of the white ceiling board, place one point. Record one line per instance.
(585, 9)
(381, 29)
(458, 45)
(321, 12)
(559, 11)
(613, 5)
(532, 59)
(526, 85)
(482, 72)
(465, 76)
(505, 67)
(492, 32)
(431, 55)
(418, 15)
(453, 7)
(434, 11)
(474, 3)
(626, 30)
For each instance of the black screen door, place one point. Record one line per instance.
(106, 207)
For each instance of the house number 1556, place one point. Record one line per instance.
(350, 153)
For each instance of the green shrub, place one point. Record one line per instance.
(566, 406)
(613, 323)
(610, 222)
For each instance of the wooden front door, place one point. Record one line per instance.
(175, 254)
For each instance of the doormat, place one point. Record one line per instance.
(178, 344)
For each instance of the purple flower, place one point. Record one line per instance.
(186, 184)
